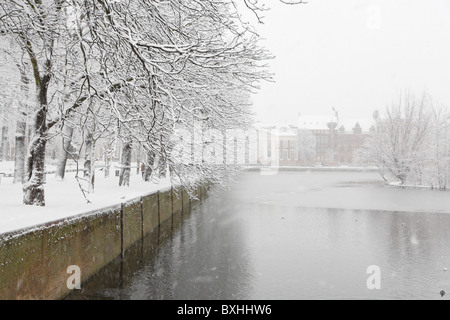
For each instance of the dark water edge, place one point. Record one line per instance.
(232, 246)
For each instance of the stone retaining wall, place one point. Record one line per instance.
(34, 261)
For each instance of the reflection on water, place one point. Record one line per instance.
(235, 247)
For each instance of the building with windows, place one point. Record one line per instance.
(288, 137)
(352, 134)
(316, 140)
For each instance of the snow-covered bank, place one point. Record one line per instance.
(64, 199)
(338, 190)
(412, 186)
(34, 260)
(268, 169)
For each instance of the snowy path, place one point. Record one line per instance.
(64, 199)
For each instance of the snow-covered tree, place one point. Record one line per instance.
(410, 143)
(306, 146)
(437, 169)
(137, 69)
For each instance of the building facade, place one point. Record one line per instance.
(316, 140)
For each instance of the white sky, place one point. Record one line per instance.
(355, 55)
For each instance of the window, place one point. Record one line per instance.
(351, 139)
(285, 155)
(293, 155)
(322, 139)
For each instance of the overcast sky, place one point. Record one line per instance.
(355, 55)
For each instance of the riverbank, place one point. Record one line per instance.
(36, 262)
(38, 244)
(64, 199)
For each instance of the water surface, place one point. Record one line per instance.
(293, 236)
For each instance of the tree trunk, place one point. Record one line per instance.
(4, 144)
(88, 154)
(64, 153)
(88, 168)
(149, 165)
(124, 178)
(92, 173)
(107, 163)
(33, 187)
(21, 129)
(138, 160)
(162, 166)
(19, 156)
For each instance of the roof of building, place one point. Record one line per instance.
(315, 122)
(278, 128)
(350, 123)
(320, 122)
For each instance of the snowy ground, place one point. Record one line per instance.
(64, 198)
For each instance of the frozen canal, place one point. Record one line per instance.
(302, 235)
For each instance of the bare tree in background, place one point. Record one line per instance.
(437, 170)
(306, 146)
(408, 141)
(14, 102)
